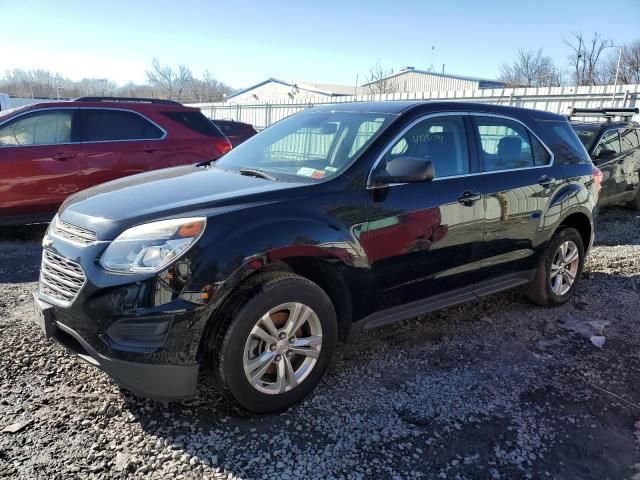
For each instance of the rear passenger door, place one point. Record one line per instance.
(424, 239)
(117, 143)
(520, 180)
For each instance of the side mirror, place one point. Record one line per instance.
(605, 154)
(406, 170)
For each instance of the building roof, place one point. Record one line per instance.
(322, 88)
(435, 74)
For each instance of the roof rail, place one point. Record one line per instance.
(127, 100)
(603, 112)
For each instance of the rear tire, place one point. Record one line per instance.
(276, 341)
(559, 269)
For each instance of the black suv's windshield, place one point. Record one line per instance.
(309, 145)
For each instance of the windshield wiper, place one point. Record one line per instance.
(256, 173)
(206, 163)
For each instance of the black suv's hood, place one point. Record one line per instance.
(111, 207)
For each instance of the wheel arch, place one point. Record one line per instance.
(310, 262)
(582, 223)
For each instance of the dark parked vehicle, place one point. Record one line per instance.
(51, 150)
(236, 132)
(337, 219)
(614, 147)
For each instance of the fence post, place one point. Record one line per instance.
(268, 119)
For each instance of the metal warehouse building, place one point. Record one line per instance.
(272, 89)
(411, 80)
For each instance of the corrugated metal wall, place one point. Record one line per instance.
(552, 99)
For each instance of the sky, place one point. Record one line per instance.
(325, 41)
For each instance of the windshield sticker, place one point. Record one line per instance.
(310, 172)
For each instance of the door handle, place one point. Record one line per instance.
(546, 181)
(63, 156)
(469, 198)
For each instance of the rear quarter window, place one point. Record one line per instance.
(568, 144)
(196, 122)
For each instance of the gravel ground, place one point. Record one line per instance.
(494, 389)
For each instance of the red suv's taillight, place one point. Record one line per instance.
(223, 145)
(597, 178)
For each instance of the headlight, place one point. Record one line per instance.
(152, 246)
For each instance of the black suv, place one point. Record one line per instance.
(334, 220)
(614, 147)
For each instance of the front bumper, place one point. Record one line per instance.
(156, 381)
(143, 331)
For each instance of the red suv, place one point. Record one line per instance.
(50, 150)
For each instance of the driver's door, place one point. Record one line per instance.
(424, 239)
(39, 160)
(606, 157)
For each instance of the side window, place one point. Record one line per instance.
(609, 145)
(506, 144)
(112, 125)
(442, 140)
(628, 139)
(50, 127)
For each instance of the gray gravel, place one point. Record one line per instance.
(494, 389)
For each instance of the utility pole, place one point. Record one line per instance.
(615, 81)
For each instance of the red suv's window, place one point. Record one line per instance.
(102, 125)
(48, 127)
(196, 122)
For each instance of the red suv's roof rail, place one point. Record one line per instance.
(127, 100)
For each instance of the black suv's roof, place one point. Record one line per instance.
(398, 107)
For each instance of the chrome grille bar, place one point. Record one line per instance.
(60, 279)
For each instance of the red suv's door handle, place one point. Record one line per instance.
(63, 156)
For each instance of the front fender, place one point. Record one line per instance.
(258, 245)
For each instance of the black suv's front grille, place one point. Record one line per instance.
(60, 279)
(73, 233)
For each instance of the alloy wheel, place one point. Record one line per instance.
(282, 348)
(564, 267)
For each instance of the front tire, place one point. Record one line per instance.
(276, 342)
(559, 269)
(635, 203)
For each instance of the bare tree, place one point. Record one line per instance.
(629, 70)
(162, 77)
(208, 89)
(164, 82)
(378, 81)
(530, 69)
(585, 58)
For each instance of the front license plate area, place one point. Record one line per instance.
(42, 316)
